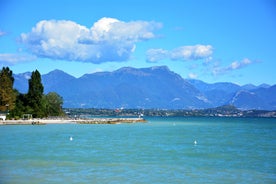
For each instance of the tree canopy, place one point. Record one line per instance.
(54, 104)
(35, 95)
(7, 93)
(35, 102)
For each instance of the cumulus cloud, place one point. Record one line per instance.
(154, 55)
(233, 66)
(12, 59)
(192, 52)
(184, 53)
(239, 64)
(108, 39)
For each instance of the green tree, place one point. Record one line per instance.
(20, 106)
(7, 93)
(35, 98)
(54, 104)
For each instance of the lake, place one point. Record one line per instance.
(164, 150)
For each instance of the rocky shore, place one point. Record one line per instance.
(68, 121)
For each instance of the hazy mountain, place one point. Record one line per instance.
(264, 86)
(154, 87)
(218, 94)
(21, 81)
(244, 97)
(57, 80)
(249, 87)
(259, 98)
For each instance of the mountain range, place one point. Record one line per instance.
(154, 87)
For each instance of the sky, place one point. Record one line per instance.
(209, 40)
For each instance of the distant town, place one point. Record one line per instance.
(223, 111)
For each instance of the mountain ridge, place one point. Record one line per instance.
(153, 87)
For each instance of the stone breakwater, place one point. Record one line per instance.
(68, 121)
(110, 120)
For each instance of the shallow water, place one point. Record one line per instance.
(228, 150)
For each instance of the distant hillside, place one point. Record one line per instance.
(154, 87)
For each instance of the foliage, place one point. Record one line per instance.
(34, 102)
(20, 105)
(35, 98)
(54, 104)
(7, 94)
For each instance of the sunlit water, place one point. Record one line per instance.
(227, 150)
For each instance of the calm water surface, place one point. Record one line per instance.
(228, 150)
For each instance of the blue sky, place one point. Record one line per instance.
(209, 40)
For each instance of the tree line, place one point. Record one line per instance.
(34, 102)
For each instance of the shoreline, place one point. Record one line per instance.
(73, 121)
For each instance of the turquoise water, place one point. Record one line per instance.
(228, 150)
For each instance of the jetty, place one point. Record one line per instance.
(76, 121)
(110, 120)
(22, 122)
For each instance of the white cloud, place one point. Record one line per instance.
(154, 55)
(233, 66)
(96, 70)
(192, 75)
(184, 53)
(236, 64)
(12, 59)
(175, 99)
(192, 52)
(108, 39)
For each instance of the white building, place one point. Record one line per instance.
(3, 117)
